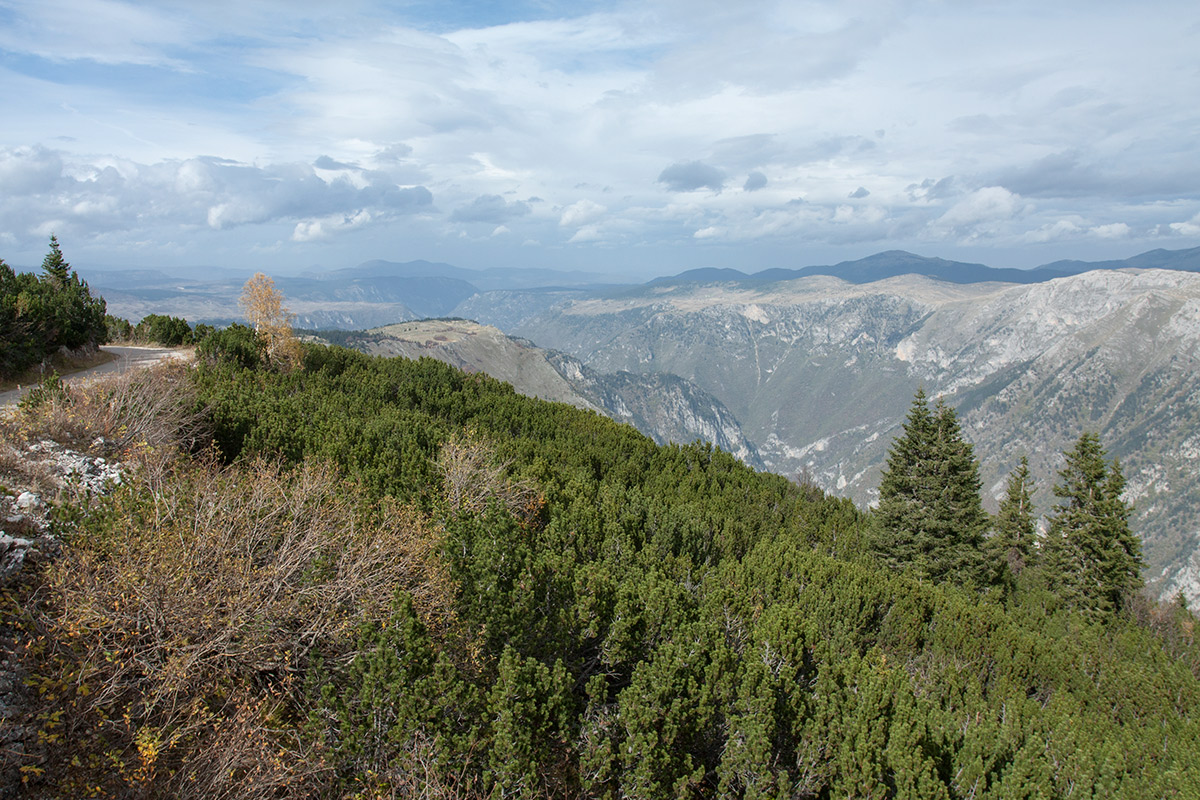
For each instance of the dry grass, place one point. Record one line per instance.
(146, 417)
(171, 639)
(180, 629)
(150, 408)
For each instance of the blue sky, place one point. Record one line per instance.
(638, 138)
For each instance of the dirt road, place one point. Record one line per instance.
(126, 358)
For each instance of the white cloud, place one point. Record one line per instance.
(588, 233)
(220, 120)
(1055, 231)
(979, 212)
(1189, 228)
(326, 227)
(1114, 230)
(581, 213)
(119, 194)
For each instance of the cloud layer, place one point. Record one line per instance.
(665, 133)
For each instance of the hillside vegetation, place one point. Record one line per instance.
(39, 315)
(367, 577)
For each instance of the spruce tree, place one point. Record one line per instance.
(1015, 529)
(931, 518)
(1092, 557)
(55, 266)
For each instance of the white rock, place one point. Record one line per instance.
(28, 501)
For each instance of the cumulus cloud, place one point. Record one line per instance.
(754, 182)
(692, 175)
(1055, 231)
(491, 208)
(325, 162)
(1189, 228)
(325, 228)
(980, 212)
(1115, 230)
(119, 194)
(581, 213)
(29, 170)
(342, 128)
(588, 233)
(930, 190)
(393, 152)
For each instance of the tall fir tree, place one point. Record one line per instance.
(57, 270)
(931, 517)
(1092, 557)
(1015, 528)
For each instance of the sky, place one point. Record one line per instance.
(634, 139)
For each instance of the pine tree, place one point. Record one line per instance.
(1092, 557)
(1015, 530)
(931, 517)
(55, 266)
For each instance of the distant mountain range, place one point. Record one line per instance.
(381, 292)
(893, 263)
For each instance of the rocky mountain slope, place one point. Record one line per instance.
(820, 373)
(665, 407)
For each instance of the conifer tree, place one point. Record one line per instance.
(55, 266)
(931, 518)
(59, 309)
(1092, 557)
(1015, 530)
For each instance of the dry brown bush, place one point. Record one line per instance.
(473, 477)
(178, 623)
(146, 416)
(131, 413)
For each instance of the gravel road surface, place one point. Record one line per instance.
(126, 358)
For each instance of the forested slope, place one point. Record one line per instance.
(392, 577)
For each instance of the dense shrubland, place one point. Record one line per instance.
(159, 329)
(387, 578)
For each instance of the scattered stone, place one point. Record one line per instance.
(28, 501)
(13, 550)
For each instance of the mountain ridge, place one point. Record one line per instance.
(666, 408)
